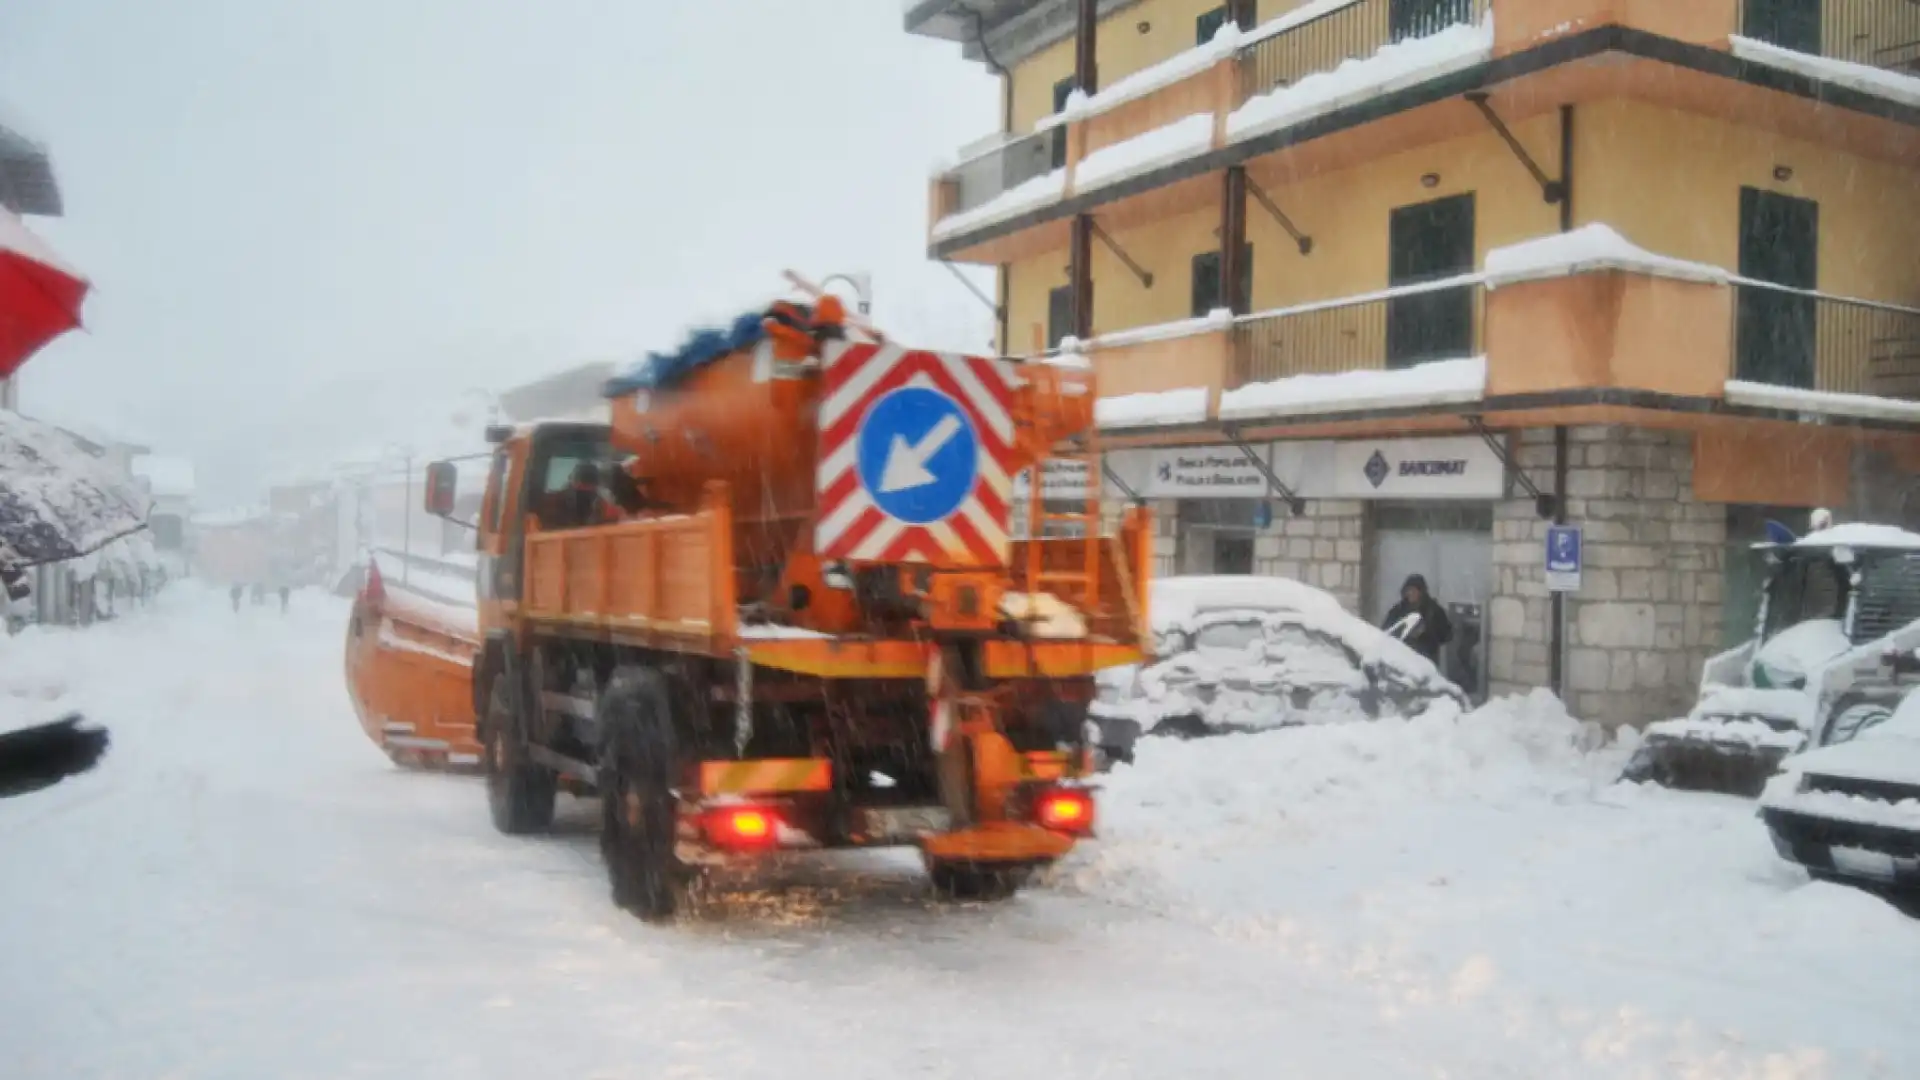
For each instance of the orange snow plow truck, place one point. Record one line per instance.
(786, 601)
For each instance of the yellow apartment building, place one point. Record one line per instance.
(1380, 287)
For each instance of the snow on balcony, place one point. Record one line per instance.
(1585, 250)
(1161, 408)
(1879, 82)
(1079, 106)
(1177, 141)
(1037, 192)
(1434, 383)
(1402, 64)
(1794, 399)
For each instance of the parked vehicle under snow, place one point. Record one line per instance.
(1852, 809)
(1251, 654)
(1835, 601)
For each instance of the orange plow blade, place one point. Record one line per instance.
(410, 674)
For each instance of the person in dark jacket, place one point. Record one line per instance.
(1433, 629)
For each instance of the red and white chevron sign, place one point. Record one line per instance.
(916, 452)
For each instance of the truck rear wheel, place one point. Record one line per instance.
(638, 757)
(520, 791)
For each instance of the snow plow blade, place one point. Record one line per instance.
(1696, 764)
(410, 674)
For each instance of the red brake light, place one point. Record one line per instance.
(741, 827)
(1066, 810)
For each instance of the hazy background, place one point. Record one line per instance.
(307, 222)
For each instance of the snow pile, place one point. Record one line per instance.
(1728, 731)
(1423, 384)
(1161, 408)
(1079, 106)
(59, 497)
(1176, 602)
(1181, 139)
(1837, 806)
(1586, 250)
(1868, 80)
(1399, 65)
(1039, 191)
(1793, 399)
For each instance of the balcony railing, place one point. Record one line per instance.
(1811, 341)
(1357, 30)
(1879, 33)
(1011, 161)
(1383, 331)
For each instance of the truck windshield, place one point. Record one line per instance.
(1805, 588)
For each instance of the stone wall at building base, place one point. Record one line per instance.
(1647, 615)
(1323, 546)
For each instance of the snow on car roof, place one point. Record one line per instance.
(1176, 601)
(1861, 534)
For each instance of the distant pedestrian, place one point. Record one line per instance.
(1426, 625)
(283, 599)
(236, 592)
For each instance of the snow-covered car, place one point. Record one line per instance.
(1852, 809)
(1249, 654)
(1834, 601)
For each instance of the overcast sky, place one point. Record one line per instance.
(308, 222)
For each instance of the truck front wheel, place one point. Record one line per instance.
(638, 755)
(520, 791)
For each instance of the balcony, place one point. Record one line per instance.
(1288, 50)
(1875, 33)
(1565, 329)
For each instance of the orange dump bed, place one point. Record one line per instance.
(410, 675)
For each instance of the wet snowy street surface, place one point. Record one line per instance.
(246, 888)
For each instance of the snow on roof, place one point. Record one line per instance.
(1861, 534)
(1593, 247)
(1761, 395)
(1440, 381)
(56, 494)
(1226, 41)
(1398, 65)
(165, 476)
(1187, 405)
(1163, 145)
(1868, 80)
(17, 238)
(1038, 191)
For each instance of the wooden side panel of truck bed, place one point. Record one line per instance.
(668, 576)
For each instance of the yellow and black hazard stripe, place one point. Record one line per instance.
(765, 776)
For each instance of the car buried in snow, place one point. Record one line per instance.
(1851, 810)
(1237, 654)
(1835, 602)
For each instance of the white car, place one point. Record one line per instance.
(1251, 654)
(1852, 810)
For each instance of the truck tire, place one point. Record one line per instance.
(520, 791)
(975, 881)
(639, 753)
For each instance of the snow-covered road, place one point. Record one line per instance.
(247, 889)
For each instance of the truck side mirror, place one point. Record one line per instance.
(441, 481)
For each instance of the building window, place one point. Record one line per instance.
(1209, 24)
(1062, 90)
(1207, 294)
(1426, 242)
(1790, 24)
(1775, 332)
(1059, 315)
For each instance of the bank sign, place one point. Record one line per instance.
(1205, 472)
(1450, 468)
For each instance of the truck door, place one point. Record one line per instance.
(498, 536)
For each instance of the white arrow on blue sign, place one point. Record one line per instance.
(1564, 558)
(918, 455)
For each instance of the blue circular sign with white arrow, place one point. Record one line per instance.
(919, 455)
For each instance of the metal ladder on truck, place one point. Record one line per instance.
(1079, 582)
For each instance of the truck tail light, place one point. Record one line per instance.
(742, 828)
(1067, 810)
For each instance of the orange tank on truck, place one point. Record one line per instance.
(797, 595)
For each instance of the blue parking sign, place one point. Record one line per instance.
(1563, 558)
